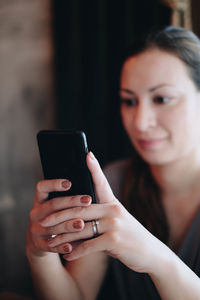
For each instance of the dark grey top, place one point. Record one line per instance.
(120, 282)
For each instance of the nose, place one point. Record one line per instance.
(145, 117)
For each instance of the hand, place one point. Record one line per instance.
(120, 234)
(38, 235)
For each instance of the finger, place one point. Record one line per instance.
(58, 204)
(88, 247)
(103, 225)
(44, 187)
(42, 245)
(66, 227)
(64, 250)
(94, 211)
(71, 237)
(102, 187)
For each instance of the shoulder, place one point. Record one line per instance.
(116, 173)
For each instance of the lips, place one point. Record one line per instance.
(150, 144)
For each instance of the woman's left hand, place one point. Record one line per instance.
(119, 233)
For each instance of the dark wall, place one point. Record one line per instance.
(89, 38)
(195, 16)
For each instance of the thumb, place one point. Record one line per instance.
(102, 188)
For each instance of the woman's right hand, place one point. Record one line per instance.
(37, 235)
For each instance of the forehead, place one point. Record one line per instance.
(154, 67)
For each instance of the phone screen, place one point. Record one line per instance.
(63, 155)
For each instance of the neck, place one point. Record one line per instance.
(178, 177)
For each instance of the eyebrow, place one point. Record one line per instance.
(127, 91)
(150, 90)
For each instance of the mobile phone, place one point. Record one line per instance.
(63, 155)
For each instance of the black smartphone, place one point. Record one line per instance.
(63, 155)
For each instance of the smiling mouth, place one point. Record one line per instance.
(150, 144)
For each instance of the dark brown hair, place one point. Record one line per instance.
(141, 192)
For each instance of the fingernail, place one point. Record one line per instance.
(92, 155)
(66, 184)
(85, 199)
(77, 224)
(67, 248)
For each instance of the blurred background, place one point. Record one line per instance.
(59, 68)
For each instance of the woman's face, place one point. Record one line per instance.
(160, 107)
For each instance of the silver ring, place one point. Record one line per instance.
(95, 227)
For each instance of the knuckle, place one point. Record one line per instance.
(116, 209)
(32, 215)
(60, 239)
(54, 249)
(79, 235)
(114, 237)
(73, 198)
(115, 223)
(50, 230)
(39, 187)
(79, 211)
(71, 201)
(86, 246)
(33, 229)
(52, 204)
(66, 226)
(51, 219)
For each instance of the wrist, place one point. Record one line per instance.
(160, 257)
(46, 258)
(164, 261)
(34, 256)
(182, 282)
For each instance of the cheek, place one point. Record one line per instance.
(127, 118)
(182, 123)
(123, 116)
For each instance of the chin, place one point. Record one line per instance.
(158, 159)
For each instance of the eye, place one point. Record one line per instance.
(129, 102)
(160, 99)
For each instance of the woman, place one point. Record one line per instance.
(151, 248)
